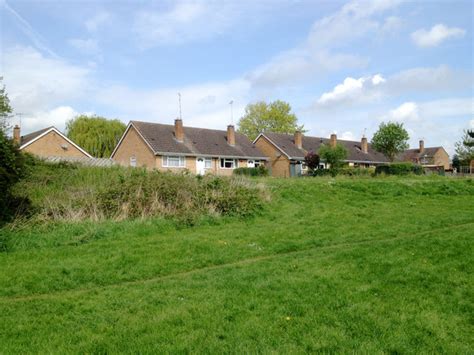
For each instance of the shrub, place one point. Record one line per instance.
(65, 192)
(399, 169)
(258, 171)
(12, 169)
(312, 160)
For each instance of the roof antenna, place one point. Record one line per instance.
(365, 132)
(231, 103)
(179, 102)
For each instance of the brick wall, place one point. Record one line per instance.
(279, 164)
(53, 145)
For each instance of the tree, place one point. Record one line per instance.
(465, 147)
(275, 117)
(312, 161)
(334, 156)
(97, 135)
(391, 139)
(5, 108)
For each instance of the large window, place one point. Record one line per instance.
(228, 163)
(170, 161)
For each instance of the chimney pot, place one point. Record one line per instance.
(178, 130)
(364, 146)
(299, 139)
(422, 146)
(230, 135)
(333, 141)
(16, 135)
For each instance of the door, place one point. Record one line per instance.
(200, 166)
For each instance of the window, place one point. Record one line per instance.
(253, 163)
(228, 163)
(208, 163)
(173, 161)
(133, 161)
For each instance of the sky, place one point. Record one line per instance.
(344, 66)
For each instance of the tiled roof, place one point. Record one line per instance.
(285, 142)
(197, 141)
(30, 136)
(415, 155)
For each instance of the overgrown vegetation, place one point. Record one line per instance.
(334, 156)
(399, 169)
(391, 139)
(67, 192)
(257, 171)
(333, 265)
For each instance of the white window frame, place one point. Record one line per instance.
(255, 163)
(222, 162)
(133, 161)
(207, 160)
(165, 162)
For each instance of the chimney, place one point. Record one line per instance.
(178, 130)
(16, 135)
(364, 146)
(299, 139)
(230, 135)
(333, 140)
(422, 146)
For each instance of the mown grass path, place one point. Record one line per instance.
(330, 265)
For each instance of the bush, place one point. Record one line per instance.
(258, 171)
(12, 169)
(65, 192)
(399, 169)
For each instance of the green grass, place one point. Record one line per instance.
(332, 265)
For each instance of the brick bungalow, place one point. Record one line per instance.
(48, 143)
(286, 152)
(175, 148)
(428, 157)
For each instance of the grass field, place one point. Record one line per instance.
(332, 265)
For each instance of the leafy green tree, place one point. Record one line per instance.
(465, 147)
(334, 156)
(275, 117)
(391, 139)
(97, 135)
(5, 108)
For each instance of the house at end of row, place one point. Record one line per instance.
(428, 157)
(286, 152)
(176, 147)
(48, 143)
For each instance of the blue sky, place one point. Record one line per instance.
(344, 66)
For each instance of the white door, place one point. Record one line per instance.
(200, 166)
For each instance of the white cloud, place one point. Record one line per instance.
(373, 88)
(407, 111)
(98, 20)
(348, 136)
(351, 90)
(86, 46)
(56, 117)
(35, 82)
(37, 40)
(319, 51)
(184, 21)
(437, 34)
(204, 105)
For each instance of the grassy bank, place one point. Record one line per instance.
(336, 265)
(71, 193)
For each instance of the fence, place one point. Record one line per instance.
(100, 162)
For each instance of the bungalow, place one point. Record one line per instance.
(429, 158)
(48, 143)
(175, 148)
(286, 152)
